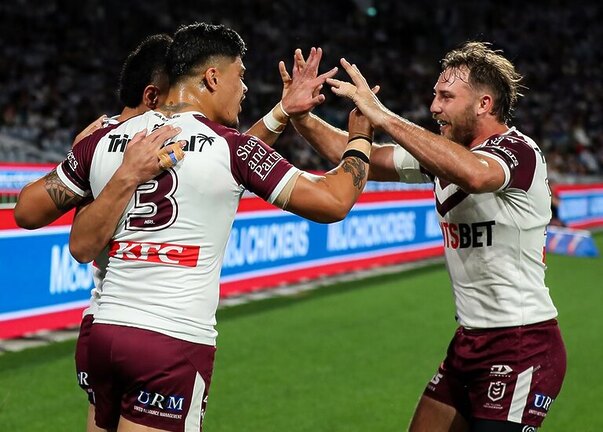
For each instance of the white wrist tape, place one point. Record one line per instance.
(280, 104)
(272, 124)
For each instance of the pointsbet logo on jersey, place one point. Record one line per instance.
(461, 236)
(161, 253)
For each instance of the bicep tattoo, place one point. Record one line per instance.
(357, 168)
(64, 198)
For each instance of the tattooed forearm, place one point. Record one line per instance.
(62, 197)
(357, 168)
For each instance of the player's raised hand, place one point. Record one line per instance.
(146, 156)
(301, 89)
(359, 125)
(359, 92)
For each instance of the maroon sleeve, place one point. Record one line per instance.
(76, 166)
(518, 155)
(255, 165)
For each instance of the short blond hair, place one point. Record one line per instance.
(490, 69)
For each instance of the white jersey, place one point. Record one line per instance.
(494, 242)
(99, 267)
(166, 254)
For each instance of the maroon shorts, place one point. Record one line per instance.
(507, 374)
(148, 378)
(81, 356)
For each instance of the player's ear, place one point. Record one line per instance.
(210, 79)
(150, 96)
(486, 104)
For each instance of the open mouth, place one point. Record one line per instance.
(442, 124)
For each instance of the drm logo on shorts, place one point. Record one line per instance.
(159, 405)
(161, 253)
(172, 403)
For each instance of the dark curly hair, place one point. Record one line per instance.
(196, 43)
(143, 66)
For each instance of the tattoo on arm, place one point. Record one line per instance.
(357, 168)
(62, 197)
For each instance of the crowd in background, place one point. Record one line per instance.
(60, 62)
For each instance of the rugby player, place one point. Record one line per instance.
(153, 339)
(506, 362)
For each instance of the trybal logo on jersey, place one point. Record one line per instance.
(197, 142)
(118, 142)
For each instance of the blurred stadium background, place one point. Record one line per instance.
(350, 356)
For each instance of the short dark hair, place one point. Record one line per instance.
(488, 68)
(196, 43)
(142, 67)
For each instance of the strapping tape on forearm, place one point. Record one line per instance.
(356, 153)
(170, 155)
(359, 146)
(282, 200)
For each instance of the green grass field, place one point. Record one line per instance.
(349, 357)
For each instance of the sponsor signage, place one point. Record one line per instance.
(43, 287)
(274, 247)
(43, 284)
(581, 206)
(13, 177)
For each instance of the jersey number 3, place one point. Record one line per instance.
(154, 208)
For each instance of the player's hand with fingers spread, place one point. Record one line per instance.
(301, 89)
(143, 158)
(360, 93)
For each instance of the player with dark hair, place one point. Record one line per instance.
(143, 73)
(153, 339)
(506, 362)
(146, 64)
(143, 86)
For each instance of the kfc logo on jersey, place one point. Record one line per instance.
(161, 253)
(496, 391)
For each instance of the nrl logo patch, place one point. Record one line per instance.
(496, 391)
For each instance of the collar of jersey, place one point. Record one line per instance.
(188, 113)
(507, 132)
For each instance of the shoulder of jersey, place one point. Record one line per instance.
(512, 136)
(194, 119)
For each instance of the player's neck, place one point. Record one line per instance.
(127, 113)
(186, 97)
(486, 130)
